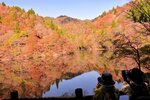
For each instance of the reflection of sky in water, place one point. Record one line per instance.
(86, 81)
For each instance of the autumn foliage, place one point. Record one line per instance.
(36, 50)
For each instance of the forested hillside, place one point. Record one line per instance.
(36, 50)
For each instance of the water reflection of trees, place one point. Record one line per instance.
(33, 79)
(66, 76)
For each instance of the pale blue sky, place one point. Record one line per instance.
(81, 9)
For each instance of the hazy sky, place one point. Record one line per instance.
(81, 9)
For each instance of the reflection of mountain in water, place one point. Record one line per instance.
(86, 81)
(70, 75)
(32, 79)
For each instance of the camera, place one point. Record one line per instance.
(99, 80)
(124, 75)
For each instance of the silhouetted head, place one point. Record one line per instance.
(106, 79)
(136, 75)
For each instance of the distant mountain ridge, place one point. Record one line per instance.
(66, 19)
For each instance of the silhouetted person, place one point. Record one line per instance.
(135, 86)
(14, 95)
(105, 89)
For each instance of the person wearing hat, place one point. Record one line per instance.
(105, 89)
(135, 85)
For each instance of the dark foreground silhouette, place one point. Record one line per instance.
(78, 96)
(133, 78)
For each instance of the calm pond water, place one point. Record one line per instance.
(87, 81)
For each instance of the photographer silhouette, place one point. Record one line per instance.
(135, 85)
(105, 89)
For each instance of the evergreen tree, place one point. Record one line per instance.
(17, 28)
(31, 12)
(0, 19)
(3, 4)
(140, 13)
(103, 14)
(17, 8)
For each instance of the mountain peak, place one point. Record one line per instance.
(63, 19)
(62, 16)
